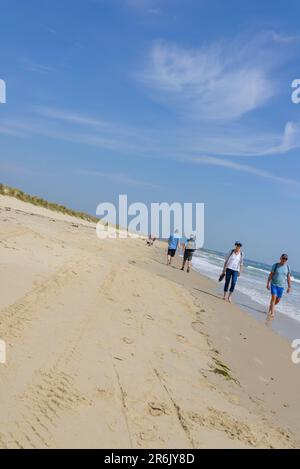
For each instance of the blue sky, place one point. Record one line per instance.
(164, 100)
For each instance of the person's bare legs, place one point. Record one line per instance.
(274, 301)
(183, 265)
(169, 260)
(189, 265)
(227, 282)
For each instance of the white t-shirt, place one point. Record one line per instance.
(235, 261)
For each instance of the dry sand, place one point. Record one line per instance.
(109, 348)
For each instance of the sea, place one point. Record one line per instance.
(251, 284)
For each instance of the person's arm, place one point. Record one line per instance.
(226, 262)
(241, 264)
(270, 279)
(289, 281)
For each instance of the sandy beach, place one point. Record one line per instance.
(107, 347)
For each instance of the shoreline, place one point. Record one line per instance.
(258, 356)
(283, 324)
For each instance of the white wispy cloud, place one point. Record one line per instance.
(65, 115)
(117, 177)
(173, 144)
(213, 161)
(241, 141)
(215, 82)
(12, 131)
(147, 7)
(87, 121)
(89, 130)
(35, 67)
(290, 140)
(142, 4)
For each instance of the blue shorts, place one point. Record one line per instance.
(277, 291)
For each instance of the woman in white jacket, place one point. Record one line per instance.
(232, 269)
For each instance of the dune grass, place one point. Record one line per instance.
(38, 201)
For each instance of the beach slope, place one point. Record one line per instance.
(108, 348)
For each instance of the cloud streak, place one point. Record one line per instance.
(156, 143)
(120, 178)
(212, 161)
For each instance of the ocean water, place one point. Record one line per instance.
(252, 282)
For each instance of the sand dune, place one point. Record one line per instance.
(105, 349)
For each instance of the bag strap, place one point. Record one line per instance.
(276, 268)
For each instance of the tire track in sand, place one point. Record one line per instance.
(15, 317)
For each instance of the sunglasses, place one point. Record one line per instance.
(284, 258)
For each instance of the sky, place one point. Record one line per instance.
(163, 100)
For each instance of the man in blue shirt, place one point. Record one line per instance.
(279, 277)
(172, 246)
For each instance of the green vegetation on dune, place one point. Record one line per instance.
(38, 201)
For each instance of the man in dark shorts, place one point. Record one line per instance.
(189, 249)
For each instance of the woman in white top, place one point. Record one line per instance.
(232, 269)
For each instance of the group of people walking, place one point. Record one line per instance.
(279, 278)
(188, 247)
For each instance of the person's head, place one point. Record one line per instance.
(192, 237)
(284, 258)
(238, 246)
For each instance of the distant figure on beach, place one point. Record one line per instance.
(173, 242)
(189, 249)
(279, 277)
(151, 240)
(233, 268)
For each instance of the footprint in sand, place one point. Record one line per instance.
(264, 380)
(258, 361)
(128, 341)
(160, 355)
(157, 409)
(233, 399)
(176, 352)
(196, 325)
(180, 338)
(148, 316)
(149, 434)
(109, 298)
(104, 393)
